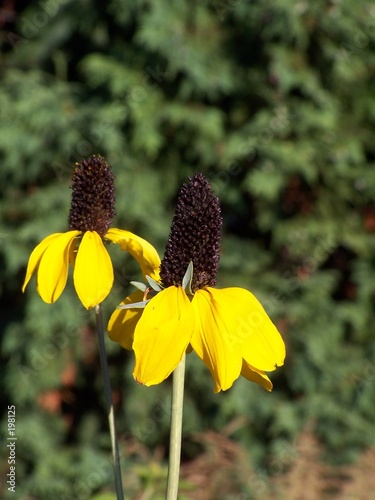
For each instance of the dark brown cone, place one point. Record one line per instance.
(195, 236)
(93, 197)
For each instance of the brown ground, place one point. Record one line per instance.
(222, 471)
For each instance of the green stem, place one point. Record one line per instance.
(176, 431)
(109, 403)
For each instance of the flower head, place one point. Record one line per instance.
(83, 246)
(227, 328)
(195, 237)
(93, 196)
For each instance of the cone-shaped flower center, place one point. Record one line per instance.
(93, 197)
(194, 237)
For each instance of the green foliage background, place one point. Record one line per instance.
(274, 103)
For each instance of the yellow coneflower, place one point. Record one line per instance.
(227, 328)
(83, 246)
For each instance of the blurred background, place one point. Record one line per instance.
(275, 103)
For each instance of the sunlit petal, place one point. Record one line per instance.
(262, 344)
(257, 376)
(93, 272)
(53, 267)
(213, 340)
(162, 335)
(122, 323)
(36, 255)
(144, 253)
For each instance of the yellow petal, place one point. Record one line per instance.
(143, 252)
(162, 335)
(213, 339)
(262, 345)
(53, 266)
(93, 271)
(255, 375)
(36, 255)
(122, 323)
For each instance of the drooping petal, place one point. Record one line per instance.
(261, 344)
(162, 335)
(93, 271)
(122, 323)
(36, 255)
(53, 267)
(143, 252)
(255, 375)
(213, 339)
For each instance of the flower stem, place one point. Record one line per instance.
(109, 402)
(176, 430)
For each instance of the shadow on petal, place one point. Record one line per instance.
(122, 323)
